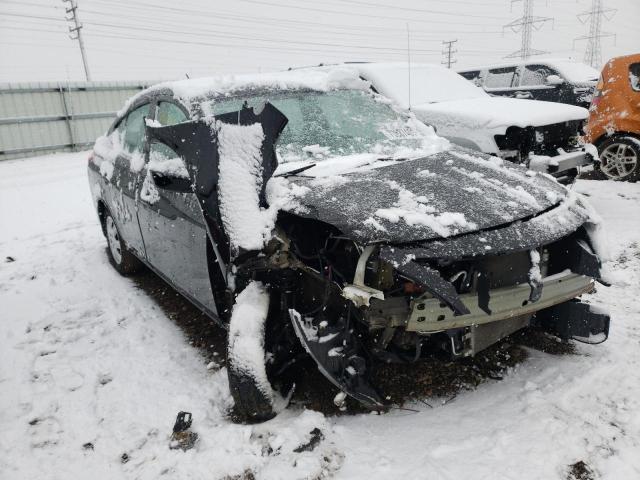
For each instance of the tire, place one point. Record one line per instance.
(120, 257)
(620, 158)
(255, 397)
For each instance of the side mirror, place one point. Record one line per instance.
(554, 80)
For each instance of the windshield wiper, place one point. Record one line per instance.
(296, 171)
(391, 159)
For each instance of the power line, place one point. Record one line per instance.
(526, 24)
(593, 52)
(448, 51)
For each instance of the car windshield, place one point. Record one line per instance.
(335, 123)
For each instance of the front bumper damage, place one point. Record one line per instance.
(563, 165)
(466, 322)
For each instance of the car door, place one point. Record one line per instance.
(170, 219)
(537, 82)
(127, 140)
(501, 81)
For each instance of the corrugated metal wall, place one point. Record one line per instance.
(39, 118)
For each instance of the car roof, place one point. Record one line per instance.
(188, 92)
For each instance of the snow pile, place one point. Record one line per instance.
(171, 167)
(149, 192)
(247, 224)
(246, 337)
(535, 276)
(240, 181)
(105, 151)
(429, 83)
(108, 148)
(413, 209)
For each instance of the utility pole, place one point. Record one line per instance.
(526, 24)
(593, 53)
(76, 34)
(448, 51)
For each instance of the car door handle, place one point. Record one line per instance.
(167, 182)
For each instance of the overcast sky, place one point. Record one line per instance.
(164, 39)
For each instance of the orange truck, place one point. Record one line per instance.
(614, 118)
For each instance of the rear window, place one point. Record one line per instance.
(500, 77)
(634, 76)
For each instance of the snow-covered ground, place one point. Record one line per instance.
(86, 358)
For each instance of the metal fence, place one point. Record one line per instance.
(40, 118)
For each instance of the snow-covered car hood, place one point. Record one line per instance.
(496, 113)
(438, 196)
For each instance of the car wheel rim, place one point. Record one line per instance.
(114, 240)
(618, 160)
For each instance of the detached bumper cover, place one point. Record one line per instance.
(576, 320)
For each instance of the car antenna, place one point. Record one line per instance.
(186, 75)
(409, 63)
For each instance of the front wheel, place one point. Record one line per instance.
(620, 158)
(120, 257)
(255, 397)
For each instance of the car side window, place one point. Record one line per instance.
(536, 75)
(500, 77)
(168, 113)
(134, 129)
(474, 77)
(634, 76)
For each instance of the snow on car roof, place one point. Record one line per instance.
(573, 71)
(323, 80)
(429, 83)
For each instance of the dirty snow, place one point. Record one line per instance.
(86, 357)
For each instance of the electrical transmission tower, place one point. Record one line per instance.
(76, 34)
(593, 53)
(448, 51)
(526, 24)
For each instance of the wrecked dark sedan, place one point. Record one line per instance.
(309, 216)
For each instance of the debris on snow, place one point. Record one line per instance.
(182, 438)
(340, 400)
(316, 438)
